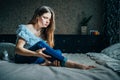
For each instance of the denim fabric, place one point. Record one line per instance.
(28, 59)
(56, 54)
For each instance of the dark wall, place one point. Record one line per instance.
(68, 14)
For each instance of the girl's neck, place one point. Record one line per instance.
(36, 27)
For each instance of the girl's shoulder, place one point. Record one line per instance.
(22, 28)
(25, 27)
(22, 25)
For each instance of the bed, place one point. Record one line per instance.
(107, 64)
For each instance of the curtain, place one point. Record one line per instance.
(111, 24)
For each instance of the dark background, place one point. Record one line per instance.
(69, 13)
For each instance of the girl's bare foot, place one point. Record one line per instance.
(72, 64)
(46, 63)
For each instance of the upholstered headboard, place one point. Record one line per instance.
(69, 43)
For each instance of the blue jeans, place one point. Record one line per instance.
(55, 54)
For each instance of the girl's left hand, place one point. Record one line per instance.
(56, 63)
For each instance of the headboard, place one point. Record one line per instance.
(70, 43)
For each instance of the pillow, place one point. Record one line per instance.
(101, 58)
(115, 65)
(105, 60)
(7, 51)
(113, 51)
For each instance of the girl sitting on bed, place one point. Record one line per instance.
(35, 42)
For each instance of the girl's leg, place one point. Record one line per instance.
(56, 55)
(27, 59)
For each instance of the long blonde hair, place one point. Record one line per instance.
(47, 33)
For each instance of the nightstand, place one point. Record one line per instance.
(79, 43)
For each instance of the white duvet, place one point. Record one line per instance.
(12, 71)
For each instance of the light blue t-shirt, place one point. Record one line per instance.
(27, 35)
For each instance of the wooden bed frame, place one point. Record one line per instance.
(70, 43)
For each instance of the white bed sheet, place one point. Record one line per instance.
(12, 71)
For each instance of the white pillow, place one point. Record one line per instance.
(113, 51)
(7, 49)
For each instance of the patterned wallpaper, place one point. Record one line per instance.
(112, 20)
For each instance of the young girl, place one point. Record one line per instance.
(35, 42)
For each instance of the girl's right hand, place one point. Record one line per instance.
(41, 54)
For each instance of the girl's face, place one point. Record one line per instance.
(44, 20)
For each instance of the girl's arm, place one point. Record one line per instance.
(26, 52)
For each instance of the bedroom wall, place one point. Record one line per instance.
(68, 14)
